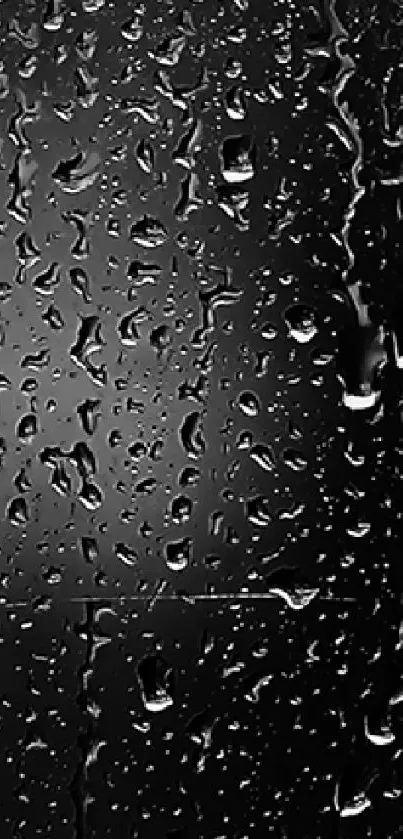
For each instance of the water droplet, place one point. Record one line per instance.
(148, 232)
(249, 403)
(27, 428)
(125, 553)
(191, 435)
(264, 456)
(18, 512)
(155, 679)
(238, 159)
(178, 554)
(302, 322)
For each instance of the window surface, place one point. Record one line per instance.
(201, 353)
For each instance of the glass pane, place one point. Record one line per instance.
(200, 443)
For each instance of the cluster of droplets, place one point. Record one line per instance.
(179, 220)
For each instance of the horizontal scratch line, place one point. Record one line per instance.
(182, 597)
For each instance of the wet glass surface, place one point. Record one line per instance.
(201, 355)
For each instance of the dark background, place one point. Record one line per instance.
(274, 648)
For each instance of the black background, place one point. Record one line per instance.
(81, 753)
